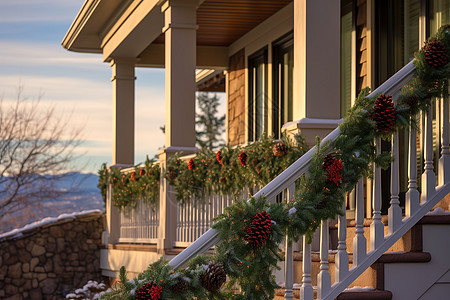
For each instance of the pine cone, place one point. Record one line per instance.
(435, 53)
(384, 114)
(214, 277)
(243, 158)
(259, 230)
(172, 175)
(191, 164)
(180, 287)
(219, 157)
(279, 149)
(411, 101)
(149, 291)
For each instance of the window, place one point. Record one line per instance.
(257, 100)
(283, 72)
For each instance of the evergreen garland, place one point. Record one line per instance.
(129, 188)
(353, 154)
(230, 169)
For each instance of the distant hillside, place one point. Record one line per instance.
(82, 194)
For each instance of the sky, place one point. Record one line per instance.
(77, 84)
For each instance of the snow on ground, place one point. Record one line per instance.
(49, 220)
(438, 212)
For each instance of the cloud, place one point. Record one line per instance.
(90, 103)
(19, 11)
(35, 54)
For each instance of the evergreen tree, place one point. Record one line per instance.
(209, 125)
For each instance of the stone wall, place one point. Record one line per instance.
(48, 261)
(236, 99)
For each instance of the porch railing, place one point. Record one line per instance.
(139, 224)
(417, 204)
(196, 216)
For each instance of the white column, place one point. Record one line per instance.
(342, 262)
(394, 211)
(316, 52)
(180, 63)
(359, 241)
(123, 111)
(412, 198)
(444, 160)
(306, 291)
(377, 227)
(428, 176)
(324, 278)
(289, 257)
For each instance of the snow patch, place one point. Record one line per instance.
(438, 212)
(360, 289)
(18, 232)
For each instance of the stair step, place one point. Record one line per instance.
(365, 295)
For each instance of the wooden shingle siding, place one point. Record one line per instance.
(361, 45)
(236, 99)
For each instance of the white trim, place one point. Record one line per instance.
(266, 32)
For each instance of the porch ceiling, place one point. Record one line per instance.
(221, 22)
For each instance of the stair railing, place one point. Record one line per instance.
(379, 243)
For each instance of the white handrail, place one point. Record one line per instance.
(293, 172)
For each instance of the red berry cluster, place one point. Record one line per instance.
(133, 176)
(259, 230)
(191, 164)
(141, 172)
(333, 167)
(243, 159)
(149, 291)
(219, 157)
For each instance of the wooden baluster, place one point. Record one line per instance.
(412, 197)
(306, 291)
(324, 277)
(394, 211)
(444, 160)
(342, 262)
(359, 241)
(377, 227)
(289, 259)
(428, 176)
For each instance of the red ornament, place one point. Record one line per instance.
(333, 167)
(435, 53)
(133, 176)
(141, 172)
(219, 157)
(191, 164)
(149, 291)
(243, 158)
(259, 230)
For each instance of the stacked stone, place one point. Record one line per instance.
(49, 261)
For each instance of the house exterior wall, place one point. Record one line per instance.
(236, 99)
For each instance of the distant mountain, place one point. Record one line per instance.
(81, 194)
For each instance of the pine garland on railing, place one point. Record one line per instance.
(230, 169)
(129, 187)
(248, 248)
